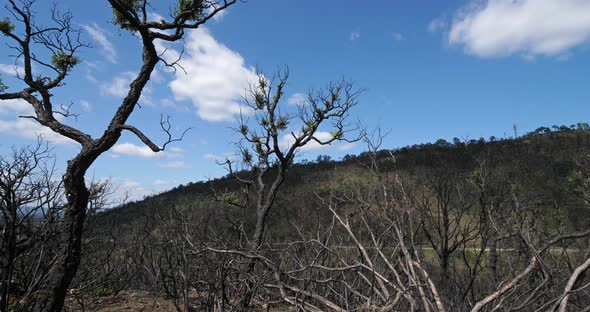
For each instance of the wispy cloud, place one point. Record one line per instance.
(219, 16)
(85, 105)
(397, 36)
(169, 103)
(11, 69)
(438, 24)
(297, 99)
(210, 156)
(129, 189)
(160, 182)
(119, 86)
(346, 146)
(355, 34)
(177, 164)
(99, 35)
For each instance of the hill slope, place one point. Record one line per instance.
(538, 163)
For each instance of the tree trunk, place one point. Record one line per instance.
(444, 274)
(264, 205)
(259, 230)
(6, 278)
(493, 261)
(52, 293)
(255, 246)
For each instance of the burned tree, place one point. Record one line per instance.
(268, 146)
(29, 207)
(61, 42)
(444, 204)
(269, 143)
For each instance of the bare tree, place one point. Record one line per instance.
(29, 203)
(516, 294)
(364, 258)
(269, 145)
(61, 41)
(445, 202)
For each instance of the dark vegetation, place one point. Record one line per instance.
(540, 163)
(532, 183)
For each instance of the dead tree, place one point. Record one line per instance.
(574, 284)
(364, 258)
(445, 202)
(62, 42)
(270, 143)
(28, 197)
(513, 292)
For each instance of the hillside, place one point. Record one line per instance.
(468, 215)
(539, 162)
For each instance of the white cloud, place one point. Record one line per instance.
(176, 164)
(119, 86)
(355, 34)
(129, 189)
(217, 76)
(99, 35)
(219, 15)
(143, 151)
(23, 127)
(29, 129)
(125, 189)
(156, 76)
(16, 107)
(397, 36)
(297, 99)
(153, 16)
(496, 28)
(287, 140)
(11, 69)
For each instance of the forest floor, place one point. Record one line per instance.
(123, 301)
(133, 300)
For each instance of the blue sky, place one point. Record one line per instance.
(430, 70)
